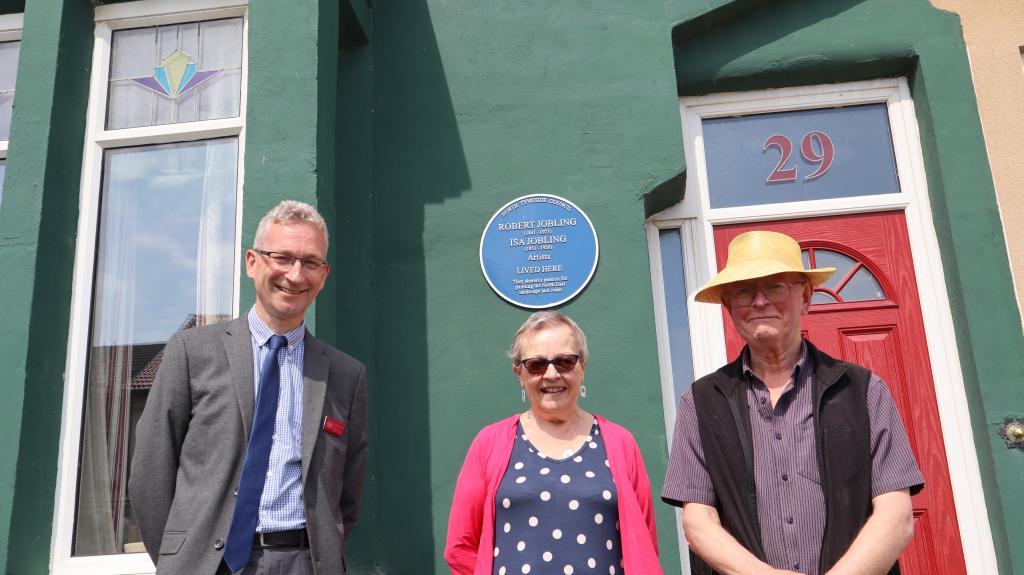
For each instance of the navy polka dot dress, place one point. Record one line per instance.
(557, 516)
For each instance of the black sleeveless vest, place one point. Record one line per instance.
(842, 439)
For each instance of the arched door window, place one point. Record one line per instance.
(853, 281)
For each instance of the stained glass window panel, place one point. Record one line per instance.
(8, 70)
(174, 74)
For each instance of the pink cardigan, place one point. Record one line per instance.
(468, 549)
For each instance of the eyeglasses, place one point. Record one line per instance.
(539, 365)
(774, 292)
(284, 262)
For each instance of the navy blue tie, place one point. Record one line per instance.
(257, 459)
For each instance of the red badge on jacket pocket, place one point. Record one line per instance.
(334, 426)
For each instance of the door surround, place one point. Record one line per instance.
(694, 218)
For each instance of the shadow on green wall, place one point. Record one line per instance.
(398, 150)
(788, 44)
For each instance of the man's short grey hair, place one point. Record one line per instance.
(290, 212)
(543, 320)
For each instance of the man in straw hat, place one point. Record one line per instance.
(787, 460)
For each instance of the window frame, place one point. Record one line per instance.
(11, 26)
(695, 220)
(98, 139)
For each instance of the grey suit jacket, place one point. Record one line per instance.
(192, 437)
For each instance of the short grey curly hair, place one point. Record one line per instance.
(542, 320)
(291, 212)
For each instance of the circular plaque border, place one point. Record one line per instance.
(570, 296)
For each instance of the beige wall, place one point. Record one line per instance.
(994, 33)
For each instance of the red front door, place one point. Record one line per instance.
(869, 314)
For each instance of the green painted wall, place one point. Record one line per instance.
(288, 123)
(474, 106)
(803, 42)
(453, 110)
(38, 218)
(354, 265)
(409, 124)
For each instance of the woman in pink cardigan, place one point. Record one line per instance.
(555, 489)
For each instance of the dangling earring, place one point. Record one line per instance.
(583, 391)
(522, 388)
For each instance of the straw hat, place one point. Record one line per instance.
(759, 254)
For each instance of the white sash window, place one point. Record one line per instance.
(158, 245)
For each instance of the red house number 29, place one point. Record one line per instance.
(809, 146)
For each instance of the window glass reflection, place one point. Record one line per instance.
(862, 287)
(9, 52)
(821, 297)
(831, 259)
(799, 155)
(3, 176)
(676, 313)
(165, 261)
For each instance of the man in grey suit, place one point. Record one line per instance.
(228, 479)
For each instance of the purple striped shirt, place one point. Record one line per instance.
(790, 502)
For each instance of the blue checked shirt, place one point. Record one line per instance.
(281, 503)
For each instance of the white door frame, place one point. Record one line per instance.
(695, 219)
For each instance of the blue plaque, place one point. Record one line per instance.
(538, 251)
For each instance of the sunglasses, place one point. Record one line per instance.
(539, 365)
